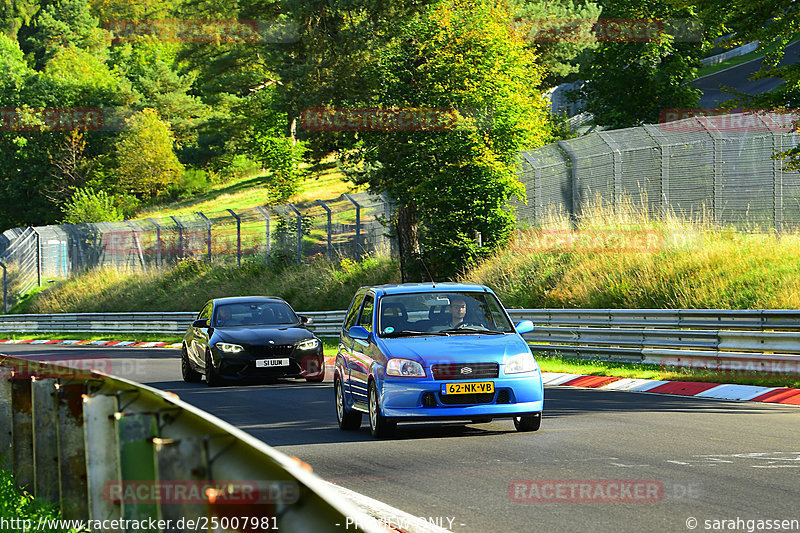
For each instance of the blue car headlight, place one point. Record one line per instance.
(229, 348)
(404, 368)
(309, 344)
(523, 362)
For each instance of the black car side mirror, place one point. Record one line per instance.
(305, 319)
(200, 323)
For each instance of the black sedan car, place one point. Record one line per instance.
(250, 337)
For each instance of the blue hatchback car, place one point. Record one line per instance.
(434, 351)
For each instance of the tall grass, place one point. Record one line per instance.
(626, 259)
(610, 258)
(320, 285)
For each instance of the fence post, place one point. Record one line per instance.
(616, 164)
(716, 197)
(356, 249)
(575, 200)
(204, 217)
(265, 214)
(777, 175)
(38, 257)
(238, 237)
(664, 148)
(328, 211)
(158, 240)
(136, 242)
(180, 236)
(538, 204)
(5, 288)
(299, 233)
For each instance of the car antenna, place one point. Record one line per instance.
(433, 281)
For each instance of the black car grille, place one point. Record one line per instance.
(270, 350)
(465, 371)
(463, 399)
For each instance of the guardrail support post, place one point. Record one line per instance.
(135, 433)
(180, 460)
(6, 417)
(45, 438)
(72, 451)
(22, 431)
(5, 288)
(102, 464)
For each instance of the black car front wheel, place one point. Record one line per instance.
(212, 378)
(379, 426)
(347, 419)
(530, 422)
(190, 375)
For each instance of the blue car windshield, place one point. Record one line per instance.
(254, 314)
(441, 312)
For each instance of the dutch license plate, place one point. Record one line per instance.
(267, 363)
(468, 388)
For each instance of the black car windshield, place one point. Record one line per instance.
(254, 314)
(439, 311)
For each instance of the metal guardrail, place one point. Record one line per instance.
(761, 340)
(109, 450)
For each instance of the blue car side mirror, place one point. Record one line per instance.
(358, 332)
(526, 326)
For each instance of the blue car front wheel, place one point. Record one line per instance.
(379, 426)
(531, 422)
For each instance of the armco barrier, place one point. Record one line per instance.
(758, 339)
(109, 449)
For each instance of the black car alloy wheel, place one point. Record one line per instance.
(212, 378)
(190, 375)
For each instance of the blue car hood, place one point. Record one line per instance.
(455, 348)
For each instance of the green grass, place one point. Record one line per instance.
(56, 335)
(550, 363)
(21, 507)
(712, 69)
(323, 181)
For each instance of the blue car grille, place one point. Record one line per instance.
(465, 371)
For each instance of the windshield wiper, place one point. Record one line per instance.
(474, 330)
(410, 333)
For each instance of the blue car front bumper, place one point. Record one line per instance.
(422, 398)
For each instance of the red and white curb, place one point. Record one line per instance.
(719, 391)
(108, 344)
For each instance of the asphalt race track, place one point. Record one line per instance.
(680, 462)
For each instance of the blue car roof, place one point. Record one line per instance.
(405, 288)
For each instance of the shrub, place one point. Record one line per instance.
(88, 205)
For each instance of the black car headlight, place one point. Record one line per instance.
(308, 344)
(227, 347)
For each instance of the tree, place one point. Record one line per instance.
(460, 58)
(146, 162)
(560, 32)
(631, 83)
(88, 205)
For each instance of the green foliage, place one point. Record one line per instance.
(631, 83)
(147, 164)
(88, 205)
(19, 505)
(560, 33)
(192, 182)
(457, 56)
(65, 24)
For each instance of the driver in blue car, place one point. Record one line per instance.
(458, 311)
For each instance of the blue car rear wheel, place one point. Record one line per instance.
(348, 420)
